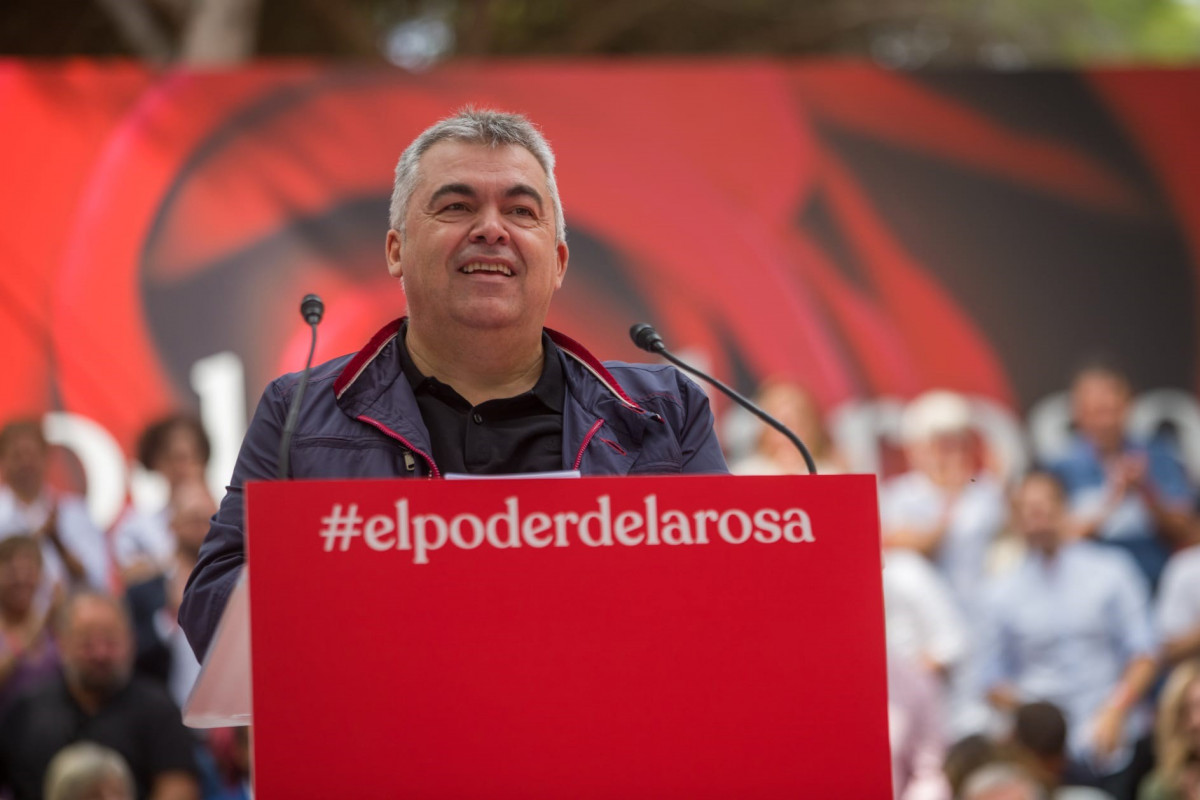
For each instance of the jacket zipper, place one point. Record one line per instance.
(433, 468)
(586, 441)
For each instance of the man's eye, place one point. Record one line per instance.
(455, 207)
(523, 211)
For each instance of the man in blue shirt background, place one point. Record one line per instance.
(1124, 492)
(1070, 625)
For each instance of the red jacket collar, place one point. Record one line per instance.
(363, 358)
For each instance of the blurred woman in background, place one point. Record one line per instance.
(1177, 738)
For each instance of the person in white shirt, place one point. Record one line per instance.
(74, 552)
(923, 623)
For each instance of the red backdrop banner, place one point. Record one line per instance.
(868, 233)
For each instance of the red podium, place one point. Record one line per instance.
(599, 637)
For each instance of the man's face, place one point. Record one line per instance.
(180, 460)
(946, 458)
(107, 787)
(1100, 404)
(97, 647)
(1038, 512)
(479, 249)
(20, 575)
(23, 464)
(191, 510)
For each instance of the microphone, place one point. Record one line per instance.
(648, 339)
(311, 309)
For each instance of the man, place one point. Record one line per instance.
(73, 548)
(1128, 493)
(96, 699)
(948, 510)
(1070, 625)
(944, 507)
(469, 381)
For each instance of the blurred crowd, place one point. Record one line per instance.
(1043, 629)
(93, 665)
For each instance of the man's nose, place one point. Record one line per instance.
(489, 227)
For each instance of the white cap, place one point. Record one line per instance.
(935, 413)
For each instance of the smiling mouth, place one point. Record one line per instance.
(496, 269)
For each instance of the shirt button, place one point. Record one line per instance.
(478, 419)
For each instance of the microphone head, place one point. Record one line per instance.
(645, 337)
(312, 309)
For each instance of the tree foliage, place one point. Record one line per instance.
(908, 33)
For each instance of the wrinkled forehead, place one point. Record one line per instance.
(478, 165)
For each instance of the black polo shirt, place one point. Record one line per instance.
(140, 722)
(509, 435)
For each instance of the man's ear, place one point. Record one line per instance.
(394, 249)
(563, 255)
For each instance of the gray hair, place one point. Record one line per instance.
(474, 126)
(989, 778)
(76, 769)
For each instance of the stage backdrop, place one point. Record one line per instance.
(868, 233)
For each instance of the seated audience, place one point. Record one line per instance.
(1070, 625)
(1177, 738)
(1125, 492)
(177, 449)
(88, 771)
(74, 552)
(774, 453)
(28, 654)
(96, 698)
(1178, 608)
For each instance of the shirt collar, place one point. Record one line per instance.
(548, 390)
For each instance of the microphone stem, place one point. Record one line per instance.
(289, 426)
(744, 403)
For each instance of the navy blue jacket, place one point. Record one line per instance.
(359, 419)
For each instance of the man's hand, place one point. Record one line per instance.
(49, 528)
(1003, 697)
(1108, 730)
(49, 532)
(1182, 647)
(1134, 468)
